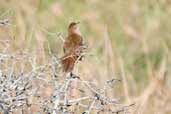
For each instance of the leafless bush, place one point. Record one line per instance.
(16, 91)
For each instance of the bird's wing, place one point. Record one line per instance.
(77, 40)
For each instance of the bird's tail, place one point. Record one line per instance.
(68, 62)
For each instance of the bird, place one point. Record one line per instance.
(73, 47)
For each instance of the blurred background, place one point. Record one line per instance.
(128, 40)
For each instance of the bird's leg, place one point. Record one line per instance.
(71, 74)
(74, 76)
(80, 58)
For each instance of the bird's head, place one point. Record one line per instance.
(73, 28)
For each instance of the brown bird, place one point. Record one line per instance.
(72, 47)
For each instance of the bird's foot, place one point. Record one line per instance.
(74, 76)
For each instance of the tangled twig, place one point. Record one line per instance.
(16, 90)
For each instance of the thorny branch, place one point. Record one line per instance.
(16, 90)
(4, 22)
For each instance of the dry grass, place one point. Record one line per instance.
(128, 40)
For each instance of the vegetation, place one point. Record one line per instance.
(128, 41)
